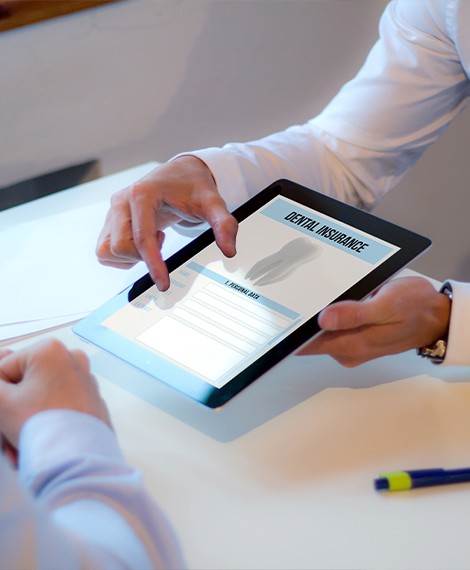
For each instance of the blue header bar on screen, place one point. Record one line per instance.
(326, 230)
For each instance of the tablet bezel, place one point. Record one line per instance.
(410, 243)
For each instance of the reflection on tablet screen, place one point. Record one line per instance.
(224, 322)
(220, 315)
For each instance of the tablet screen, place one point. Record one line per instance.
(223, 317)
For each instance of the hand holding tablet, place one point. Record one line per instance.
(224, 322)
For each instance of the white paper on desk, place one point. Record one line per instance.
(11, 331)
(49, 267)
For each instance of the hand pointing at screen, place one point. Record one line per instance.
(180, 190)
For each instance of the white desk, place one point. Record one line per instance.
(282, 476)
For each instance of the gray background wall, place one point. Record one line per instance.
(142, 80)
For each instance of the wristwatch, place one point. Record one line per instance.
(436, 352)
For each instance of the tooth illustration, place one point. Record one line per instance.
(279, 265)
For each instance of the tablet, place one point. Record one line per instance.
(225, 322)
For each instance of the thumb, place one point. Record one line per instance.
(347, 315)
(12, 366)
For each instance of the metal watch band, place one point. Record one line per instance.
(436, 352)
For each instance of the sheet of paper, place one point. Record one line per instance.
(11, 331)
(50, 268)
(50, 273)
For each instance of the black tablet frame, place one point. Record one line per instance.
(410, 245)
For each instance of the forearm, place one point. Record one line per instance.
(411, 86)
(302, 153)
(91, 508)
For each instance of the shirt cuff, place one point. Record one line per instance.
(52, 437)
(458, 353)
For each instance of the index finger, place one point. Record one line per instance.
(148, 239)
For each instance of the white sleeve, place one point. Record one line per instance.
(458, 351)
(76, 503)
(409, 89)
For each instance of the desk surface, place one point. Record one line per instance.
(281, 477)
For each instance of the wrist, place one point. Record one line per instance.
(196, 164)
(51, 437)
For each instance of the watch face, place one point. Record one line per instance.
(436, 352)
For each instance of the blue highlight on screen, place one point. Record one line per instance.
(269, 303)
(313, 224)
